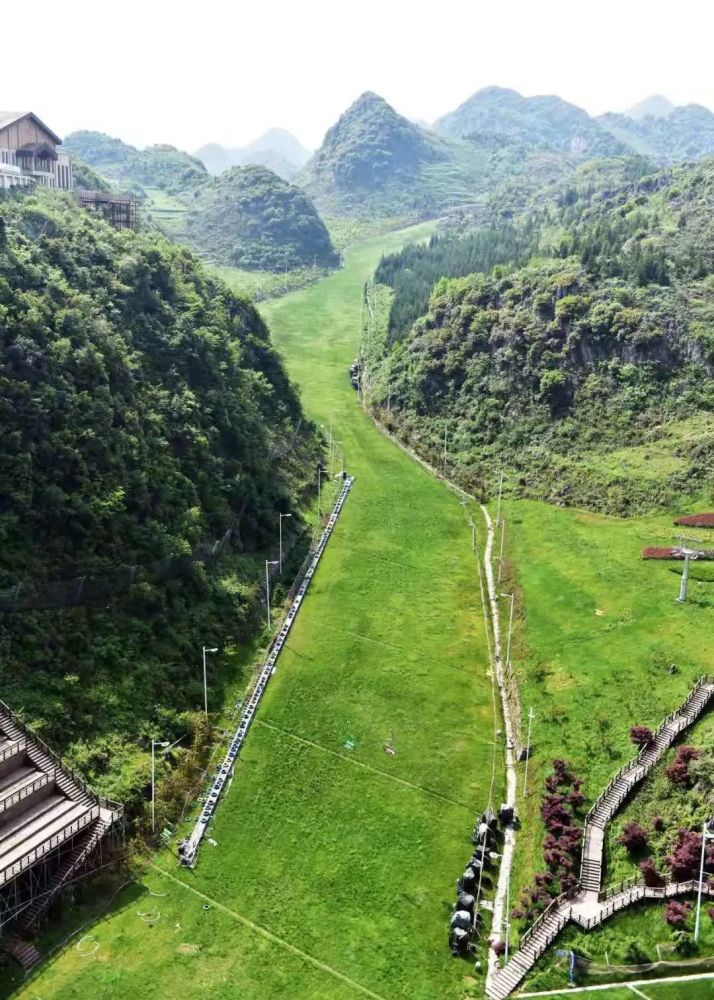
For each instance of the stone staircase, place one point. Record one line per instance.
(587, 905)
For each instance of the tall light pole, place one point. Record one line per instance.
(707, 834)
(154, 744)
(500, 492)
(510, 628)
(500, 558)
(320, 473)
(206, 649)
(531, 716)
(281, 539)
(268, 563)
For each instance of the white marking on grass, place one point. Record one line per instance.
(620, 986)
(264, 932)
(359, 763)
(377, 642)
(638, 992)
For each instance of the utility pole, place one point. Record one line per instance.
(531, 715)
(706, 835)
(154, 744)
(500, 558)
(511, 598)
(445, 451)
(281, 516)
(500, 493)
(320, 474)
(268, 562)
(205, 685)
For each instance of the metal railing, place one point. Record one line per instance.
(32, 739)
(13, 747)
(41, 781)
(49, 845)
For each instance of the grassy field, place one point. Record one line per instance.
(334, 870)
(693, 990)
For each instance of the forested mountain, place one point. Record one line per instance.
(602, 341)
(685, 133)
(144, 412)
(249, 218)
(499, 115)
(277, 149)
(375, 163)
(159, 166)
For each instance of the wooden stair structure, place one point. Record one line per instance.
(587, 905)
(50, 824)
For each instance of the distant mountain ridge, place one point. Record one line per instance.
(276, 149)
(541, 122)
(684, 133)
(160, 166)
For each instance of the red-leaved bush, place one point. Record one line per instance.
(641, 736)
(633, 837)
(685, 858)
(678, 771)
(561, 846)
(676, 913)
(650, 874)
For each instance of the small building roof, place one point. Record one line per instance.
(10, 117)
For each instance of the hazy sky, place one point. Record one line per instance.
(190, 73)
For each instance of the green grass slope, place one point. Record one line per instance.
(348, 856)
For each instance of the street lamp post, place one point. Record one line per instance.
(268, 563)
(510, 629)
(281, 539)
(320, 473)
(528, 751)
(707, 834)
(206, 649)
(154, 744)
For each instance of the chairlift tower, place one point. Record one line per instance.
(688, 554)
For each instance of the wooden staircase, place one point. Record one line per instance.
(587, 905)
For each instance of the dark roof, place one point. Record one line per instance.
(10, 117)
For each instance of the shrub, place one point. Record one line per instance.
(676, 913)
(650, 874)
(657, 823)
(633, 837)
(641, 736)
(678, 770)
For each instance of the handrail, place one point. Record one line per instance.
(44, 778)
(48, 845)
(32, 738)
(13, 747)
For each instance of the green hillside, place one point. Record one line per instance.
(601, 344)
(373, 163)
(145, 415)
(158, 166)
(249, 218)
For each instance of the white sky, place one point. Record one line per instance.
(194, 72)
